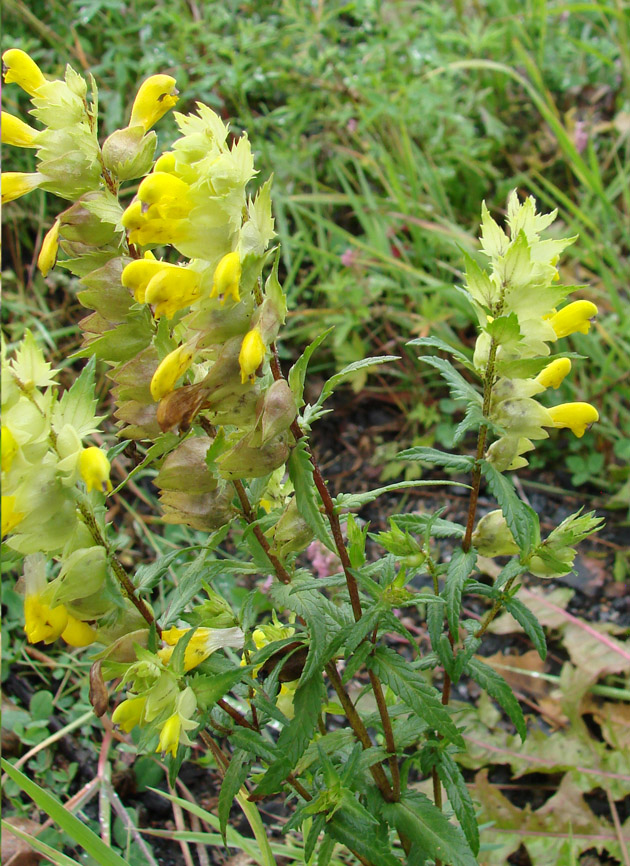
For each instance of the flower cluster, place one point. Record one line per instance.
(517, 304)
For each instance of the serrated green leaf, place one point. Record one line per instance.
(210, 689)
(529, 623)
(122, 342)
(422, 698)
(504, 330)
(459, 569)
(77, 406)
(459, 798)
(437, 343)
(435, 623)
(417, 818)
(307, 499)
(439, 528)
(460, 462)
(331, 384)
(358, 500)
(497, 688)
(254, 744)
(459, 388)
(520, 517)
(295, 736)
(231, 784)
(360, 835)
(297, 373)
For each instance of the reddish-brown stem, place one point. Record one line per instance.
(234, 714)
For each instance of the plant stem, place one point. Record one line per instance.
(117, 567)
(281, 572)
(494, 610)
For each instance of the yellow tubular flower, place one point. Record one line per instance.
(227, 277)
(169, 371)
(169, 735)
(41, 622)
(574, 317)
(10, 448)
(167, 194)
(166, 162)
(78, 633)
(16, 132)
(138, 274)
(202, 644)
(129, 713)
(156, 96)
(47, 258)
(10, 517)
(22, 70)
(251, 355)
(15, 184)
(94, 468)
(554, 373)
(133, 218)
(577, 416)
(171, 289)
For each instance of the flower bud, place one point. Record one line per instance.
(16, 132)
(227, 277)
(94, 468)
(47, 258)
(156, 96)
(170, 370)
(574, 317)
(577, 416)
(292, 533)
(554, 373)
(22, 70)
(15, 184)
(493, 537)
(128, 153)
(251, 355)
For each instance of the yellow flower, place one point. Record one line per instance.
(574, 317)
(9, 449)
(156, 96)
(202, 644)
(47, 258)
(78, 633)
(42, 622)
(10, 517)
(169, 370)
(94, 468)
(171, 289)
(138, 274)
(165, 195)
(554, 373)
(169, 735)
(129, 713)
(22, 69)
(15, 184)
(165, 162)
(227, 277)
(16, 132)
(577, 416)
(251, 355)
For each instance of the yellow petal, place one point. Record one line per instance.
(10, 448)
(156, 96)
(554, 373)
(16, 132)
(138, 274)
(227, 277)
(47, 258)
(41, 622)
(15, 184)
(10, 517)
(576, 416)
(169, 735)
(169, 371)
(171, 289)
(251, 355)
(574, 317)
(129, 713)
(94, 468)
(22, 70)
(165, 162)
(78, 633)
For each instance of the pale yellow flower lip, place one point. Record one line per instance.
(156, 96)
